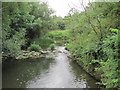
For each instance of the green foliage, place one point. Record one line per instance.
(114, 30)
(13, 45)
(60, 34)
(92, 35)
(23, 22)
(58, 23)
(110, 65)
(41, 22)
(51, 47)
(44, 42)
(34, 47)
(13, 27)
(96, 40)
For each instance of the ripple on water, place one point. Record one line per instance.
(58, 72)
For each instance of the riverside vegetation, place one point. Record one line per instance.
(92, 36)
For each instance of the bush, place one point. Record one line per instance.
(110, 65)
(60, 34)
(44, 42)
(13, 45)
(52, 47)
(34, 47)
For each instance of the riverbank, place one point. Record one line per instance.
(23, 55)
(26, 55)
(88, 69)
(66, 37)
(29, 54)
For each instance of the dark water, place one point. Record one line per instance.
(59, 72)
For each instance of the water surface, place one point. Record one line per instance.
(58, 72)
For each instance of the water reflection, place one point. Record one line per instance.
(59, 72)
(19, 72)
(82, 77)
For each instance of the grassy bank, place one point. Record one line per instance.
(61, 37)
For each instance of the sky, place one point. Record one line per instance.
(62, 7)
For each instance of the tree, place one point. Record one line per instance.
(96, 46)
(58, 23)
(22, 23)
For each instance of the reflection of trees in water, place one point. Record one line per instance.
(19, 72)
(82, 75)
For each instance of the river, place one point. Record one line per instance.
(46, 72)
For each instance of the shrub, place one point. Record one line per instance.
(44, 42)
(52, 47)
(60, 34)
(34, 47)
(13, 45)
(110, 66)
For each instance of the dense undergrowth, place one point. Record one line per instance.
(97, 59)
(44, 42)
(91, 36)
(24, 24)
(97, 44)
(93, 41)
(61, 37)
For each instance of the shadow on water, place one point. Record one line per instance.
(18, 73)
(81, 75)
(58, 72)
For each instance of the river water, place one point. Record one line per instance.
(46, 72)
